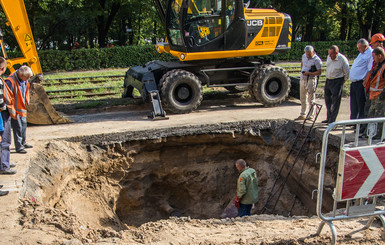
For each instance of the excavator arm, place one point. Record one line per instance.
(18, 21)
(40, 109)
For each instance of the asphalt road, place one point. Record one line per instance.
(209, 113)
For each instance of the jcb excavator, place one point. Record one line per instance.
(216, 42)
(40, 109)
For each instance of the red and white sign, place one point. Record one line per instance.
(361, 172)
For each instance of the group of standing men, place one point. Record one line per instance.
(14, 98)
(366, 76)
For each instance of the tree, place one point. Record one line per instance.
(370, 15)
(107, 10)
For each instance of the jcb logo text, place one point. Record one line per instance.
(255, 23)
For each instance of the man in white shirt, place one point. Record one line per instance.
(310, 68)
(337, 72)
(360, 68)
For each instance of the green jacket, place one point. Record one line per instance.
(247, 186)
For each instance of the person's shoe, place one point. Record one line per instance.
(3, 193)
(12, 165)
(21, 151)
(7, 171)
(27, 146)
(300, 118)
(325, 121)
(310, 118)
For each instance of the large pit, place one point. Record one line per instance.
(107, 183)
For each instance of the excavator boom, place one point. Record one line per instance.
(40, 109)
(18, 20)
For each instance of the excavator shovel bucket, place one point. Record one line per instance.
(40, 109)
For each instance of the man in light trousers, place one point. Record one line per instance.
(311, 66)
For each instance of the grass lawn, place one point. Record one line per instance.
(79, 101)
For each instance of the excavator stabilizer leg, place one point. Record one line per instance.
(157, 111)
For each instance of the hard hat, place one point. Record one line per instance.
(377, 37)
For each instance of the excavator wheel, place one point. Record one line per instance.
(181, 91)
(271, 85)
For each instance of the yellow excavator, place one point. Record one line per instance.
(40, 109)
(215, 43)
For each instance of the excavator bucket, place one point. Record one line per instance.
(40, 109)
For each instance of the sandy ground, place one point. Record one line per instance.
(261, 229)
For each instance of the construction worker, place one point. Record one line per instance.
(5, 165)
(17, 87)
(247, 188)
(3, 168)
(376, 80)
(375, 42)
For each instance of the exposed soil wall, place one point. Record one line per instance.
(99, 185)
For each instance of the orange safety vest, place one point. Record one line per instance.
(377, 83)
(17, 104)
(5, 93)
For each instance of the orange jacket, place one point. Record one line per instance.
(376, 84)
(16, 103)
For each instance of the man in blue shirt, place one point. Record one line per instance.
(360, 68)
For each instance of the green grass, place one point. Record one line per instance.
(86, 84)
(108, 72)
(81, 102)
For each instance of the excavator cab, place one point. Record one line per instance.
(212, 29)
(211, 25)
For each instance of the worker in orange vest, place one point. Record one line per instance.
(376, 81)
(17, 87)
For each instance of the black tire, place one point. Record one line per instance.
(237, 89)
(271, 85)
(181, 91)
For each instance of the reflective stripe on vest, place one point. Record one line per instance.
(7, 101)
(378, 81)
(20, 102)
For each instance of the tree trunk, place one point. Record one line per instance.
(344, 13)
(365, 19)
(310, 17)
(104, 22)
(155, 33)
(139, 24)
(131, 31)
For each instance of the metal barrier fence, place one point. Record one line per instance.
(361, 174)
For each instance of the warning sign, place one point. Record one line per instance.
(28, 40)
(361, 172)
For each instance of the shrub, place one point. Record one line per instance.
(115, 57)
(347, 48)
